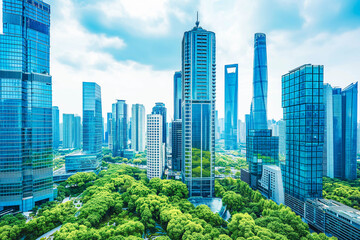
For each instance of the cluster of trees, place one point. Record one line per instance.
(223, 160)
(346, 192)
(139, 159)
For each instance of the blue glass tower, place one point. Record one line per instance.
(26, 163)
(68, 130)
(55, 127)
(231, 106)
(92, 119)
(119, 133)
(258, 111)
(303, 106)
(198, 110)
(177, 95)
(160, 108)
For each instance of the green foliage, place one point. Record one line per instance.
(224, 160)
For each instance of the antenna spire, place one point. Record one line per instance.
(197, 19)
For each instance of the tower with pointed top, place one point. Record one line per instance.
(198, 111)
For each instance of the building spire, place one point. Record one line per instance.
(197, 19)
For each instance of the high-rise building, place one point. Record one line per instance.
(77, 132)
(26, 176)
(92, 119)
(339, 156)
(119, 133)
(160, 108)
(247, 123)
(138, 127)
(177, 95)
(358, 139)
(282, 137)
(68, 131)
(109, 130)
(231, 106)
(199, 95)
(155, 146)
(302, 102)
(258, 111)
(55, 127)
(176, 144)
(217, 126)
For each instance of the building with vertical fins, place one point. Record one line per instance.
(56, 127)
(26, 164)
(119, 133)
(258, 111)
(138, 127)
(155, 146)
(198, 110)
(177, 95)
(231, 106)
(303, 106)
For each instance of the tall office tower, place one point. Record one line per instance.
(222, 127)
(282, 137)
(138, 127)
(155, 146)
(358, 139)
(217, 126)
(160, 108)
(177, 95)
(199, 95)
(242, 132)
(26, 176)
(109, 129)
(231, 106)
(302, 102)
(339, 156)
(247, 123)
(119, 132)
(55, 127)
(92, 119)
(68, 131)
(258, 111)
(77, 132)
(176, 144)
(350, 108)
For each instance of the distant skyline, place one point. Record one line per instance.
(132, 48)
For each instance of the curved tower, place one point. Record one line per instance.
(258, 109)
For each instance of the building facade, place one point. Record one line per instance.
(271, 185)
(176, 144)
(258, 110)
(56, 127)
(303, 107)
(282, 138)
(77, 131)
(109, 130)
(119, 133)
(231, 106)
(26, 177)
(177, 95)
(92, 119)
(68, 130)
(160, 108)
(198, 107)
(155, 146)
(138, 127)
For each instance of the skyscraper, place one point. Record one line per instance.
(231, 106)
(92, 119)
(55, 127)
(26, 163)
(198, 107)
(138, 127)
(176, 144)
(302, 102)
(109, 129)
(258, 111)
(282, 137)
(339, 156)
(155, 146)
(119, 128)
(77, 132)
(160, 108)
(177, 95)
(68, 130)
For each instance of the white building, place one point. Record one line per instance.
(271, 184)
(138, 127)
(155, 146)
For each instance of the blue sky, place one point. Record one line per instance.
(132, 48)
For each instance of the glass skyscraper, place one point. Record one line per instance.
(55, 127)
(198, 111)
(77, 131)
(302, 102)
(109, 130)
(177, 95)
(160, 108)
(231, 106)
(176, 144)
(138, 127)
(258, 111)
(92, 119)
(119, 133)
(26, 176)
(68, 130)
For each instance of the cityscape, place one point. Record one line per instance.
(276, 159)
